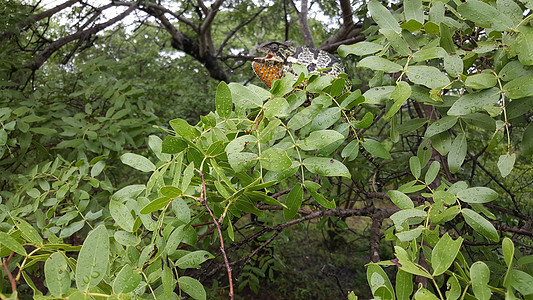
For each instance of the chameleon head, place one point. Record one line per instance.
(270, 67)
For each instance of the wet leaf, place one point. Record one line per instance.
(57, 275)
(93, 259)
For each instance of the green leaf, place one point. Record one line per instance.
(481, 81)
(283, 85)
(277, 107)
(274, 159)
(512, 70)
(361, 48)
(28, 232)
(223, 100)
(379, 64)
(480, 224)
(379, 282)
(242, 161)
(319, 84)
(156, 204)
(174, 240)
(303, 117)
(407, 264)
(453, 291)
(365, 122)
(293, 201)
(93, 259)
(126, 281)
(246, 96)
(399, 95)
(428, 53)
(122, 215)
(396, 40)
(411, 125)
(193, 259)
(457, 154)
(521, 281)
(57, 275)
(183, 128)
(171, 191)
(413, 10)
(508, 251)
(326, 166)
(524, 45)
(412, 215)
(400, 199)
(376, 148)
(412, 25)
(238, 144)
(442, 142)
(431, 27)
(506, 163)
(322, 200)
(431, 77)
(378, 95)
(181, 210)
(326, 119)
(355, 98)
(173, 145)
(12, 244)
(480, 276)
(519, 87)
(320, 139)
(526, 148)
(192, 287)
(485, 15)
(71, 229)
(138, 162)
(187, 177)
(409, 235)
(444, 197)
(382, 16)
(404, 285)
(126, 238)
(441, 125)
(477, 195)
(432, 172)
(351, 150)
(444, 253)
(453, 65)
(414, 166)
(446, 38)
(425, 294)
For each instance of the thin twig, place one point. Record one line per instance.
(9, 275)
(203, 200)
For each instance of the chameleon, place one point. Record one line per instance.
(280, 56)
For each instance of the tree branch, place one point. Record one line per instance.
(203, 200)
(56, 45)
(304, 25)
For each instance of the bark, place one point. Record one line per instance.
(349, 32)
(82, 34)
(304, 25)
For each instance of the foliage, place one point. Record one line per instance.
(447, 107)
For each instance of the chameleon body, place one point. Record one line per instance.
(280, 57)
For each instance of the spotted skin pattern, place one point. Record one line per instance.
(282, 55)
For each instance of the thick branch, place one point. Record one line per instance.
(347, 34)
(52, 11)
(304, 25)
(56, 45)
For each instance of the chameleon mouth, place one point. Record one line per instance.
(269, 57)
